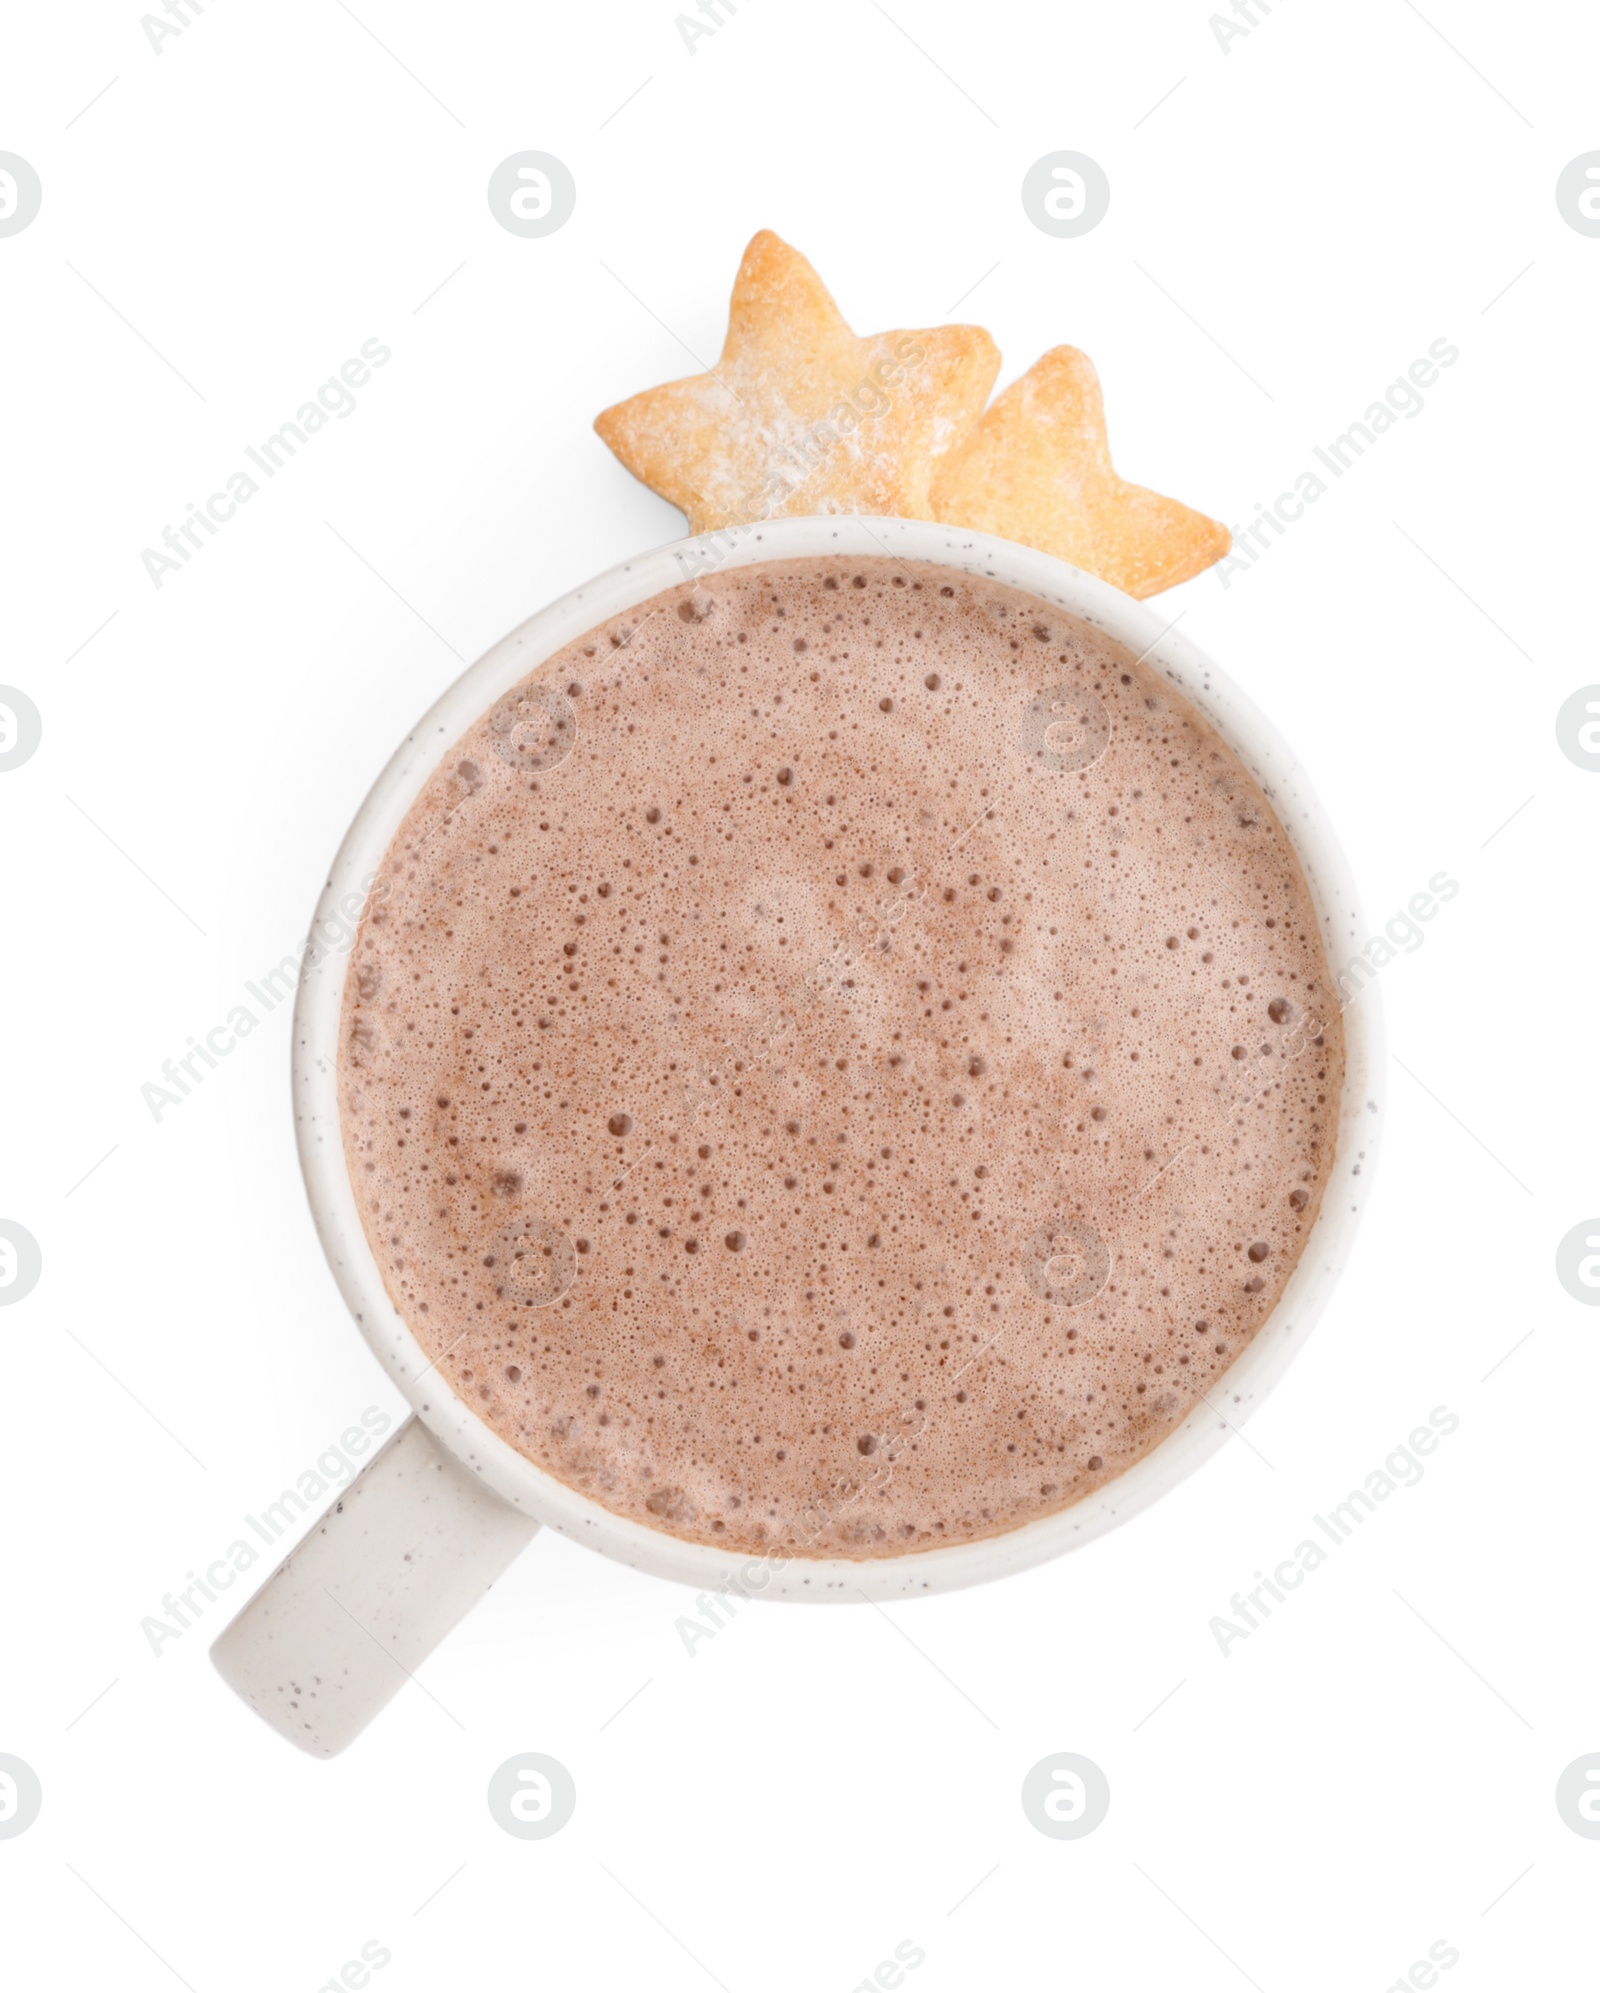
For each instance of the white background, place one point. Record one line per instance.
(1370, 1772)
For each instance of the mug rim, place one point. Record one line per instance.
(1253, 1373)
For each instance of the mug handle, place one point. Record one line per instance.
(404, 1554)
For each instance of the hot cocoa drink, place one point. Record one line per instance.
(839, 1061)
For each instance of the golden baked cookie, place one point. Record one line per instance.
(801, 416)
(1038, 469)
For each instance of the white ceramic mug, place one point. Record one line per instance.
(435, 1517)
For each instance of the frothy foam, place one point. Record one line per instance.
(842, 1063)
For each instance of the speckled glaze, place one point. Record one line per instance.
(513, 1479)
(402, 1556)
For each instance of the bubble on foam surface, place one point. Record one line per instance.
(807, 1017)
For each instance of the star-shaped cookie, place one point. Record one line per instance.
(1038, 469)
(800, 415)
